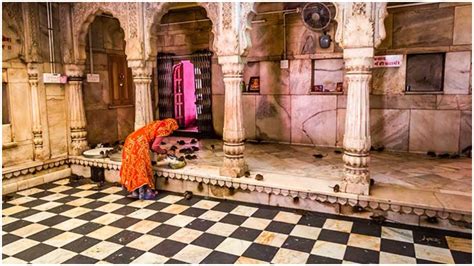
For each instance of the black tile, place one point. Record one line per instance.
(6, 205)
(361, 255)
(429, 238)
(51, 221)
(125, 200)
(122, 192)
(200, 224)
(89, 216)
(299, 244)
(86, 228)
(217, 257)
(208, 240)
(193, 212)
(314, 259)
(9, 238)
(124, 255)
(125, 210)
(173, 261)
(260, 252)
(461, 257)
(246, 233)
(279, 227)
(164, 230)
(233, 219)
(125, 222)
(94, 205)
(4, 256)
(67, 199)
(15, 225)
(265, 213)
(421, 261)
(397, 247)
(334, 236)
(71, 191)
(124, 237)
(34, 203)
(80, 259)
(41, 194)
(160, 217)
(61, 208)
(35, 252)
(81, 244)
(47, 186)
(168, 248)
(311, 219)
(189, 202)
(25, 213)
(97, 195)
(46, 234)
(157, 206)
(225, 206)
(367, 228)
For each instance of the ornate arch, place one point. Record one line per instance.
(154, 11)
(84, 13)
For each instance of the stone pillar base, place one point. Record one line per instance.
(233, 168)
(355, 188)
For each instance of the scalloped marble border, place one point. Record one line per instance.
(33, 168)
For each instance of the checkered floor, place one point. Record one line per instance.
(72, 222)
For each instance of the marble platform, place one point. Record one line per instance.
(409, 185)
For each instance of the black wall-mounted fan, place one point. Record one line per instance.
(316, 16)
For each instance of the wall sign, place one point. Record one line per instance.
(51, 78)
(93, 78)
(388, 60)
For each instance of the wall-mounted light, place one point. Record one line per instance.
(259, 21)
(325, 40)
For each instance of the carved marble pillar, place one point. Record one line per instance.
(35, 111)
(76, 114)
(358, 64)
(234, 132)
(143, 105)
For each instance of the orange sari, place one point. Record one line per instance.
(136, 170)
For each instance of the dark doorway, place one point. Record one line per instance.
(184, 92)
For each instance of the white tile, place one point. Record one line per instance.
(363, 241)
(288, 256)
(233, 246)
(271, 239)
(222, 229)
(244, 210)
(435, 254)
(30, 191)
(214, 216)
(256, 223)
(80, 202)
(18, 246)
(142, 214)
(397, 234)
(150, 258)
(185, 235)
(59, 189)
(110, 198)
(107, 218)
(144, 226)
(109, 207)
(13, 210)
(13, 260)
(101, 250)
(141, 203)
(54, 197)
(62, 182)
(111, 190)
(21, 200)
(175, 209)
(390, 258)
(62, 239)
(206, 204)
(40, 216)
(180, 220)
(145, 242)
(328, 249)
(306, 231)
(83, 193)
(171, 199)
(192, 254)
(57, 256)
(105, 232)
(78, 211)
(87, 186)
(69, 224)
(47, 206)
(7, 219)
(29, 230)
(287, 217)
(338, 225)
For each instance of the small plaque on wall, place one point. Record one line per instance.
(93, 78)
(284, 64)
(51, 78)
(388, 61)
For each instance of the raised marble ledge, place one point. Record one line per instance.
(457, 73)
(454, 102)
(455, 203)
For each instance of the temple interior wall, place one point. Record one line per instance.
(106, 123)
(17, 143)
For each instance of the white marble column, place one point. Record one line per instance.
(234, 133)
(76, 114)
(143, 104)
(358, 64)
(35, 111)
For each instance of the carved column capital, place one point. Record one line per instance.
(232, 65)
(74, 72)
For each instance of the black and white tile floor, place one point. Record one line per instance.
(71, 222)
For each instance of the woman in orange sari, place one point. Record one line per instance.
(136, 173)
